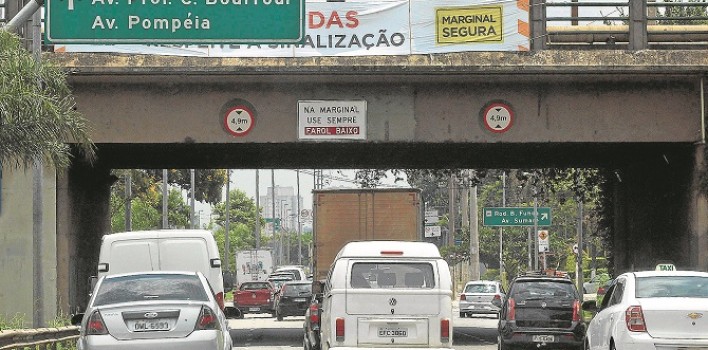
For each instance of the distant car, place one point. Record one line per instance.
(591, 286)
(602, 290)
(297, 271)
(255, 297)
(651, 310)
(293, 299)
(279, 278)
(541, 311)
(477, 297)
(154, 310)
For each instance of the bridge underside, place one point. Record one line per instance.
(640, 119)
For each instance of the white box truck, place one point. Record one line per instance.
(253, 265)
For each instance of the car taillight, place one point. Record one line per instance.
(511, 310)
(220, 300)
(463, 297)
(95, 325)
(207, 320)
(339, 329)
(634, 317)
(314, 314)
(576, 311)
(444, 330)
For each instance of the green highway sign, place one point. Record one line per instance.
(175, 21)
(519, 216)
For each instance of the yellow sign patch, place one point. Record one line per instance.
(469, 24)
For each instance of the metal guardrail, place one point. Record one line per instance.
(39, 339)
(631, 24)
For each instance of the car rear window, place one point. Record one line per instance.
(540, 289)
(480, 288)
(672, 286)
(254, 286)
(392, 275)
(297, 289)
(150, 287)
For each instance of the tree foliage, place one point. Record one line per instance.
(38, 119)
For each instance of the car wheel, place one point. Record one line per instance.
(278, 316)
(462, 315)
(612, 345)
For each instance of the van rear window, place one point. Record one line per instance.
(399, 275)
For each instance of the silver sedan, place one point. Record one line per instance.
(153, 310)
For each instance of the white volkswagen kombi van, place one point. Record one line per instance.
(164, 250)
(392, 294)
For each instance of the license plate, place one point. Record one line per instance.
(300, 300)
(393, 332)
(151, 325)
(254, 309)
(544, 338)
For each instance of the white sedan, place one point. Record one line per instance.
(651, 310)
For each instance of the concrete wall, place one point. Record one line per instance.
(16, 246)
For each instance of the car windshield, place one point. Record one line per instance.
(292, 289)
(392, 275)
(132, 288)
(536, 289)
(672, 286)
(480, 288)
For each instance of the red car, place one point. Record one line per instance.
(255, 298)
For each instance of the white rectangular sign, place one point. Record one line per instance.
(433, 231)
(543, 241)
(331, 120)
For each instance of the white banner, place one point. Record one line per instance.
(375, 28)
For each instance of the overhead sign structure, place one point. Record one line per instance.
(331, 120)
(498, 117)
(515, 216)
(239, 120)
(175, 21)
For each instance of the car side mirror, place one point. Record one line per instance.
(589, 305)
(76, 319)
(497, 302)
(232, 312)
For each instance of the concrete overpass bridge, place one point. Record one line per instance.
(639, 113)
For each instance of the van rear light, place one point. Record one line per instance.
(220, 299)
(511, 310)
(391, 252)
(207, 320)
(634, 317)
(95, 325)
(576, 311)
(444, 330)
(339, 329)
(463, 297)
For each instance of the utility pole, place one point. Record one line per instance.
(227, 228)
(452, 216)
(258, 212)
(37, 197)
(272, 215)
(502, 275)
(165, 196)
(299, 223)
(474, 236)
(128, 201)
(191, 212)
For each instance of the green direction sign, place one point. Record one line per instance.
(520, 216)
(175, 21)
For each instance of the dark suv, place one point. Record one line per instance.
(541, 311)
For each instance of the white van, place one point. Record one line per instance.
(165, 250)
(393, 294)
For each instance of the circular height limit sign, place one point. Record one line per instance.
(239, 120)
(498, 117)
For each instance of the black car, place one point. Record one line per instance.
(541, 311)
(293, 299)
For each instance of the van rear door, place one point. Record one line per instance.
(132, 255)
(395, 302)
(184, 254)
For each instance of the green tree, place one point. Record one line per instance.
(242, 224)
(37, 122)
(146, 212)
